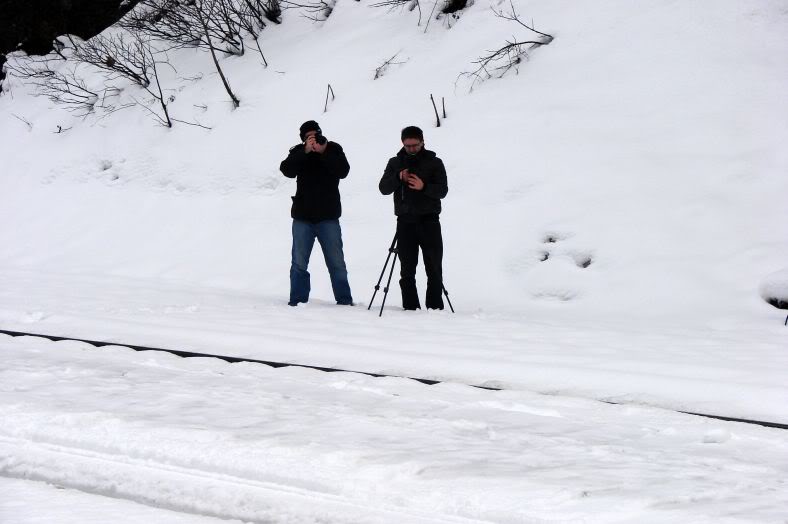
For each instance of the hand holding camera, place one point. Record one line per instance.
(413, 180)
(315, 142)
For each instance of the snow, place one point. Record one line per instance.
(38, 503)
(732, 371)
(775, 286)
(614, 227)
(254, 443)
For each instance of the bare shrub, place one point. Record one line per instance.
(498, 62)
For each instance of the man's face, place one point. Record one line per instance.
(412, 145)
(308, 134)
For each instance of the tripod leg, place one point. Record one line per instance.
(377, 286)
(446, 293)
(392, 249)
(386, 289)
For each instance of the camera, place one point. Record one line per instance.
(410, 163)
(320, 139)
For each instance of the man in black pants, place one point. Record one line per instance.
(417, 179)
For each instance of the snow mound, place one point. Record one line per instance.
(774, 289)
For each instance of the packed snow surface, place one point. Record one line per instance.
(249, 442)
(615, 225)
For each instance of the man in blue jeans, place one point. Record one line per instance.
(317, 165)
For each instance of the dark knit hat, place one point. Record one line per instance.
(306, 127)
(412, 132)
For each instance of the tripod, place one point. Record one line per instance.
(393, 251)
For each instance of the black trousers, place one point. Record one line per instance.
(424, 234)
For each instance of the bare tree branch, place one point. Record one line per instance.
(251, 16)
(498, 62)
(437, 117)
(215, 25)
(331, 91)
(315, 10)
(382, 69)
(116, 54)
(64, 88)
(24, 121)
(194, 23)
(429, 19)
(195, 123)
(514, 17)
(159, 95)
(204, 13)
(410, 5)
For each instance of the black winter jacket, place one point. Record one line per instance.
(409, 204)
(317, 181)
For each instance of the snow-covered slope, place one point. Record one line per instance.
(615, 223)
(647, 139)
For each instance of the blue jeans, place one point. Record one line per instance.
(329, 235)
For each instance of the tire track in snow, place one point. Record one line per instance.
(189, 490)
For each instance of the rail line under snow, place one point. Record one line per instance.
(275, 364)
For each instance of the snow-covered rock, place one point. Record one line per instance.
(774, 289)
